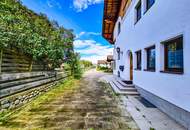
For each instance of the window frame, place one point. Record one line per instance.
(148, 7)
(119, 28)
(153, 69)
(138, 6)
(166, 43)
(118, 56)
(137, 62)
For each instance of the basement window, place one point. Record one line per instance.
(173, 50)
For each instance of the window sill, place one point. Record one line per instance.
(149, 70)
(137, 21)
(145, 11)
(137, 69)
(172, 72)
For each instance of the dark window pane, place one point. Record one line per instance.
(150, 3)
(138, 8)
(119, 28)
(174, 55)
(151, 58)
(138, 54)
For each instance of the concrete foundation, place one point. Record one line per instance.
(178, 114)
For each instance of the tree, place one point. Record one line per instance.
(33, 34)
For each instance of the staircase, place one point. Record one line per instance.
(123, 87)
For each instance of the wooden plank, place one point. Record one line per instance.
(15, 57)
(5, 60)
(14, 69)
(14, 61)
(14, 65)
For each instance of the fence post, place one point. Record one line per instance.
(1, 57)
(30, 65)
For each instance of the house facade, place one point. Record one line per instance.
(151, 41)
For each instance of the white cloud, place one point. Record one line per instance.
(79, 35)
(81, 5)
(53, 3)
(92, 50)
(87, 34)
(93, 33)
(94, 58)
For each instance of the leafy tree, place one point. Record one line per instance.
(86, 64)
(33, 34)
(74, 63)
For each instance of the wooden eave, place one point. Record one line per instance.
(111, 12)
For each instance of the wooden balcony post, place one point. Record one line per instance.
(1, 57)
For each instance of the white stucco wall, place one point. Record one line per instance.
(164, 20)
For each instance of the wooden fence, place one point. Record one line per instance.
(19, 73)
(13, 61)
(22, 79)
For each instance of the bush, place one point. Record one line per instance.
(74, 63)
(85, 65)
(104, 69)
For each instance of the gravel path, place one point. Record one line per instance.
(91, 106)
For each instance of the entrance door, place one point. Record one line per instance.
(131, 66)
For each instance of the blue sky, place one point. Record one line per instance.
(84, 17)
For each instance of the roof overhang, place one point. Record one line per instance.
(111, 12)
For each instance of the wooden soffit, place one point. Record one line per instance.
(111, 12)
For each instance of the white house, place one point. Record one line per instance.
(152, 43)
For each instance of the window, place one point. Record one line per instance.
(138, 11)
(151, 58)
(119, 28)
(138, 56)
(174, 55)
(149, 4)
(118, 53)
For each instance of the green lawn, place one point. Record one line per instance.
(9, 118)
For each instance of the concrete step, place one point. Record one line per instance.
(124, 84)
(122, 88)
(127, 81)
(118, 91)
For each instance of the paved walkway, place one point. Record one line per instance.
(91, 106)
(146, 117)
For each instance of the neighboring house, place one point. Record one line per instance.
(102, 63)
(152, 44)
(110, 58)
(110, 61)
